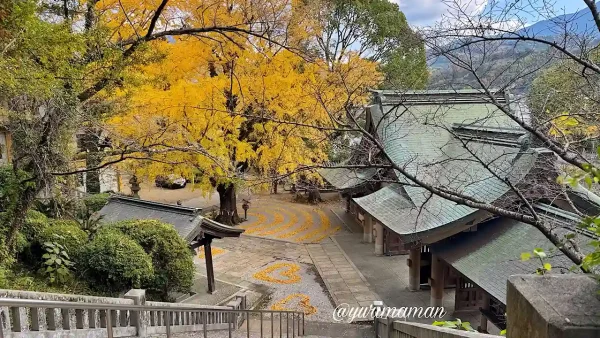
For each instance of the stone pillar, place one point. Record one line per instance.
(368, 229)
(414, 269)
(138, 319)
(437, 281)
(483, 322)
(378, 239)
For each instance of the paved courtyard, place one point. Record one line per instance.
(288, 221)
(388, 278)
(311, 259)
(282, 271)
(287, 255)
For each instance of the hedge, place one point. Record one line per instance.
(96, 202)
(66, 233)
(171, 256)
(35, 223)
(113, 261)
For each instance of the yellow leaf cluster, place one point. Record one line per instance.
(304, 304)
(180, 109)
(287, 273)
(569, 125)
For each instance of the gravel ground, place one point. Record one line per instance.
(309, 285)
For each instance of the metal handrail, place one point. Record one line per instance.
(30, 303)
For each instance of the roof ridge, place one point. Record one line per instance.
(152, 204)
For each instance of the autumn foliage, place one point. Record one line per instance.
(224, 110)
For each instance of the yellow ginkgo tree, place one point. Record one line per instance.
(239, 111)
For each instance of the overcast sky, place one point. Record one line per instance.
(426, 12)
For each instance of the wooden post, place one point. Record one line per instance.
(483, 322)
(210, 274)
(437, 281)
(368, 229)
(378, 239)
(414, 269)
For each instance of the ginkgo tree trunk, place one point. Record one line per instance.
(228, 213)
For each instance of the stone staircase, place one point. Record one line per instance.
(317, 329)
(30, 315)
(312, 330)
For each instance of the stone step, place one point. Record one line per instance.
(312, 330)
(338, 330)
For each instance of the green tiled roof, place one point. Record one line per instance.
(418, 138)
(491, 254)
(345, 178)
(390, 204)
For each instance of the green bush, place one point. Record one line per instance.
(66, 233)
(113, 261)
(171, 256)
(35, 224)
(95, 202)
(4, 273)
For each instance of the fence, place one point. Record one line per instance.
(32, 314)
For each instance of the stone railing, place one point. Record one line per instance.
(189, 321)
(35, 314)
(389, 328)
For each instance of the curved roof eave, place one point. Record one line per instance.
(413, 211)
(219, 230)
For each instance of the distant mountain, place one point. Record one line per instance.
(580, 23)
(507, 60)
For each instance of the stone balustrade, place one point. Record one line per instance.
(88, 321)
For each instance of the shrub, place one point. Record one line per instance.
(66, 233)
(57, 263)
(35, 224)
(95, 202)
(57, 206)
(171, 256)
(4, 272)
(113, 261)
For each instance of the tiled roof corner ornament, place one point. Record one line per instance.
(378, 97)
(525, 142)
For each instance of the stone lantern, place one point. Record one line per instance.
(135, 186)
(245, 206)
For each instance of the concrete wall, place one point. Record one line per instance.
(388, 328)
(109, 181)
(553, 306)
